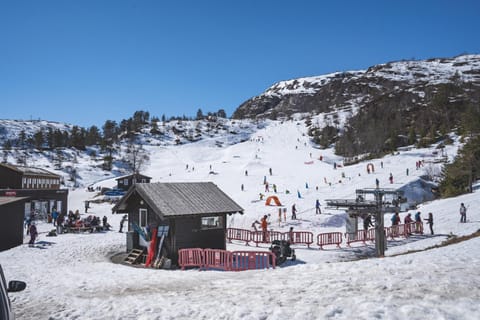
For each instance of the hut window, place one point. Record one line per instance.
(125, 182)
(211, 223)
(142, 217)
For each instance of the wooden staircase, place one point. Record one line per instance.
(133, 256)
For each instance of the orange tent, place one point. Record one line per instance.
(275, 199)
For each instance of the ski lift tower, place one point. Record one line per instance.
(361, 207)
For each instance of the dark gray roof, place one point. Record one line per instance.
(7, 200)
(183, 198)
(30, 170)
(138, 175)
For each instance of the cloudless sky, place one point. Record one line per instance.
(87, 61)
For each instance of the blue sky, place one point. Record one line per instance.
(83, 62)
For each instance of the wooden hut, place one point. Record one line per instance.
(195, 213)
(125, 182)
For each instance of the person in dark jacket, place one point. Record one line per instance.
(430, 221)
(418, 222)
(463, 213)
(317, 207)
(367, 222)
(124, 218)
(33, 234)
(294, 212)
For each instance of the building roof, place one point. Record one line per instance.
(30, 170)
(182, 199)
(133, 174)
(7, 200)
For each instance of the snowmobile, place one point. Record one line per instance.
(281, 249)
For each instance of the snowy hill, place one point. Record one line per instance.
(352, 90)
(80, 168)
(71, 276)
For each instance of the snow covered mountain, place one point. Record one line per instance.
(407, 82)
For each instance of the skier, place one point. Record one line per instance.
(430, 222)
(463, 213)
(294, 212)
(390, 178)
(241, 187)
(377, 183)
(317, 207)
(33, 234)
(246, 173)
(274, 188)
(270, 171)
(124, 218)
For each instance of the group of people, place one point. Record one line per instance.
(73, 220)
(91, 221)
(408, 220)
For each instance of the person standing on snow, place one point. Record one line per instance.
(408, 219)
(54, 217)
(463, 213)
(418, 222)
(395, 219)
(367, 222)
(408, 223)
(264, 225)
(33, 234)
(390, 178)
(124, 218)
(294, 212)
(317, 207)
(430, 222)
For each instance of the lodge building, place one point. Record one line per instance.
(40, 187)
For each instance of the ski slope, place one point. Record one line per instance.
(72, 277)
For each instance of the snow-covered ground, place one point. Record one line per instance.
(71, 276)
